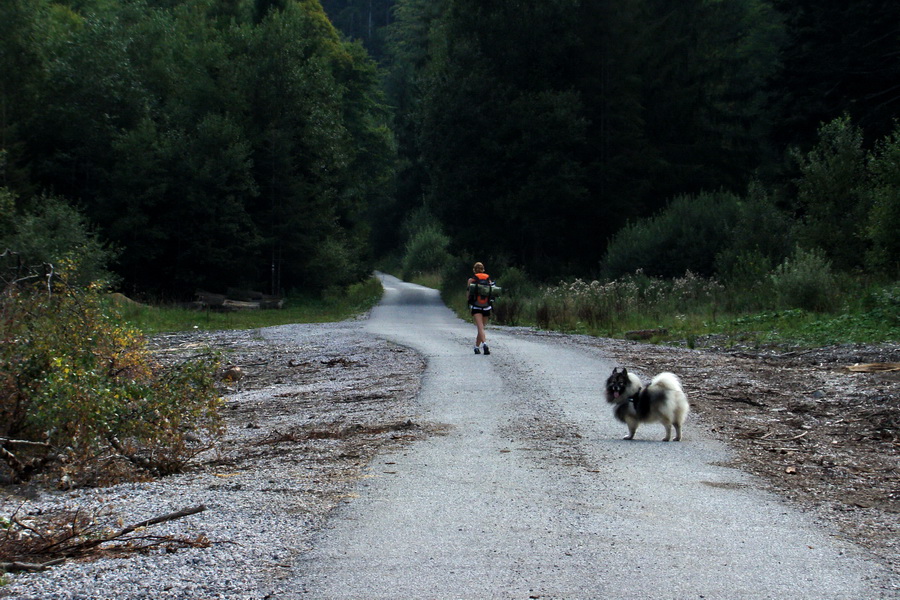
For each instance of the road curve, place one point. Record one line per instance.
(532, 493)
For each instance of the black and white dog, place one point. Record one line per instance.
(663, 401)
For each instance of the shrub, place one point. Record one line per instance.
(762, 238)
(338, 265)
(686, 236)
(517, 288)
(748, 282)
(744, 268)
(54, 231)
(887, 305)
(515, 283)
(426, 252)
(81, 399)
(806, 281)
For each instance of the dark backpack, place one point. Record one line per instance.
(481, 291)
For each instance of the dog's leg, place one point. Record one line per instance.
(668, 427)
(632, 427)
(677, 431)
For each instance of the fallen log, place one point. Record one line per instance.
(874, 367)
(645, 334)
(240, 305)
(18, 567)
(237, 300)
(210, 299)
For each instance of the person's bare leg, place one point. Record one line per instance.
(479, 322)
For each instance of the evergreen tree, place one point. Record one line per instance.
(410, 47)
(701, 71)
(502, 131)
(884, 216)
(841, 58)
(22, 61)
(832, 194)
(563, 120)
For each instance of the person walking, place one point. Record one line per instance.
(480, 303)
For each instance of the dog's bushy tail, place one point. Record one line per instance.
(667, 381)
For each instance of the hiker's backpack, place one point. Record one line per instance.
(481, 291)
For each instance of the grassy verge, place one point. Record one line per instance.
(332, 306)
(804, 329)
(429, 280)
(691, 311)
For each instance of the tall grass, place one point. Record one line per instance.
(792, 306)
(612, 308)
(430, 280)
(333, 305)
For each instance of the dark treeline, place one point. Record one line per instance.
(247, 143)
(214, 143)
(535, 131)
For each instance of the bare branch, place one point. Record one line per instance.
(14, 567)
(131, 528)
(13, 442)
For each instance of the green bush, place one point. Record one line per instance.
(81, 399)
(806, 281)
(426, 252)
(418, 220)
(515, 283)
(762, 238)
(509, 308)
(338, 265)
(882, 304)
(745, 268)
(454, 275)
(686, 236)
(54, 231)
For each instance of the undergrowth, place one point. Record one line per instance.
(335, 304)
(688, 309)
(82, 401)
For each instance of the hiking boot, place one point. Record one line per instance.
(477, 351)
(487, 350)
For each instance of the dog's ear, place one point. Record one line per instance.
(624, 371)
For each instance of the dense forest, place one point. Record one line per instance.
(288, 145)
(209, 143)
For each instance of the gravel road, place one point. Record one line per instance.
(347, 475)
(531, 493)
